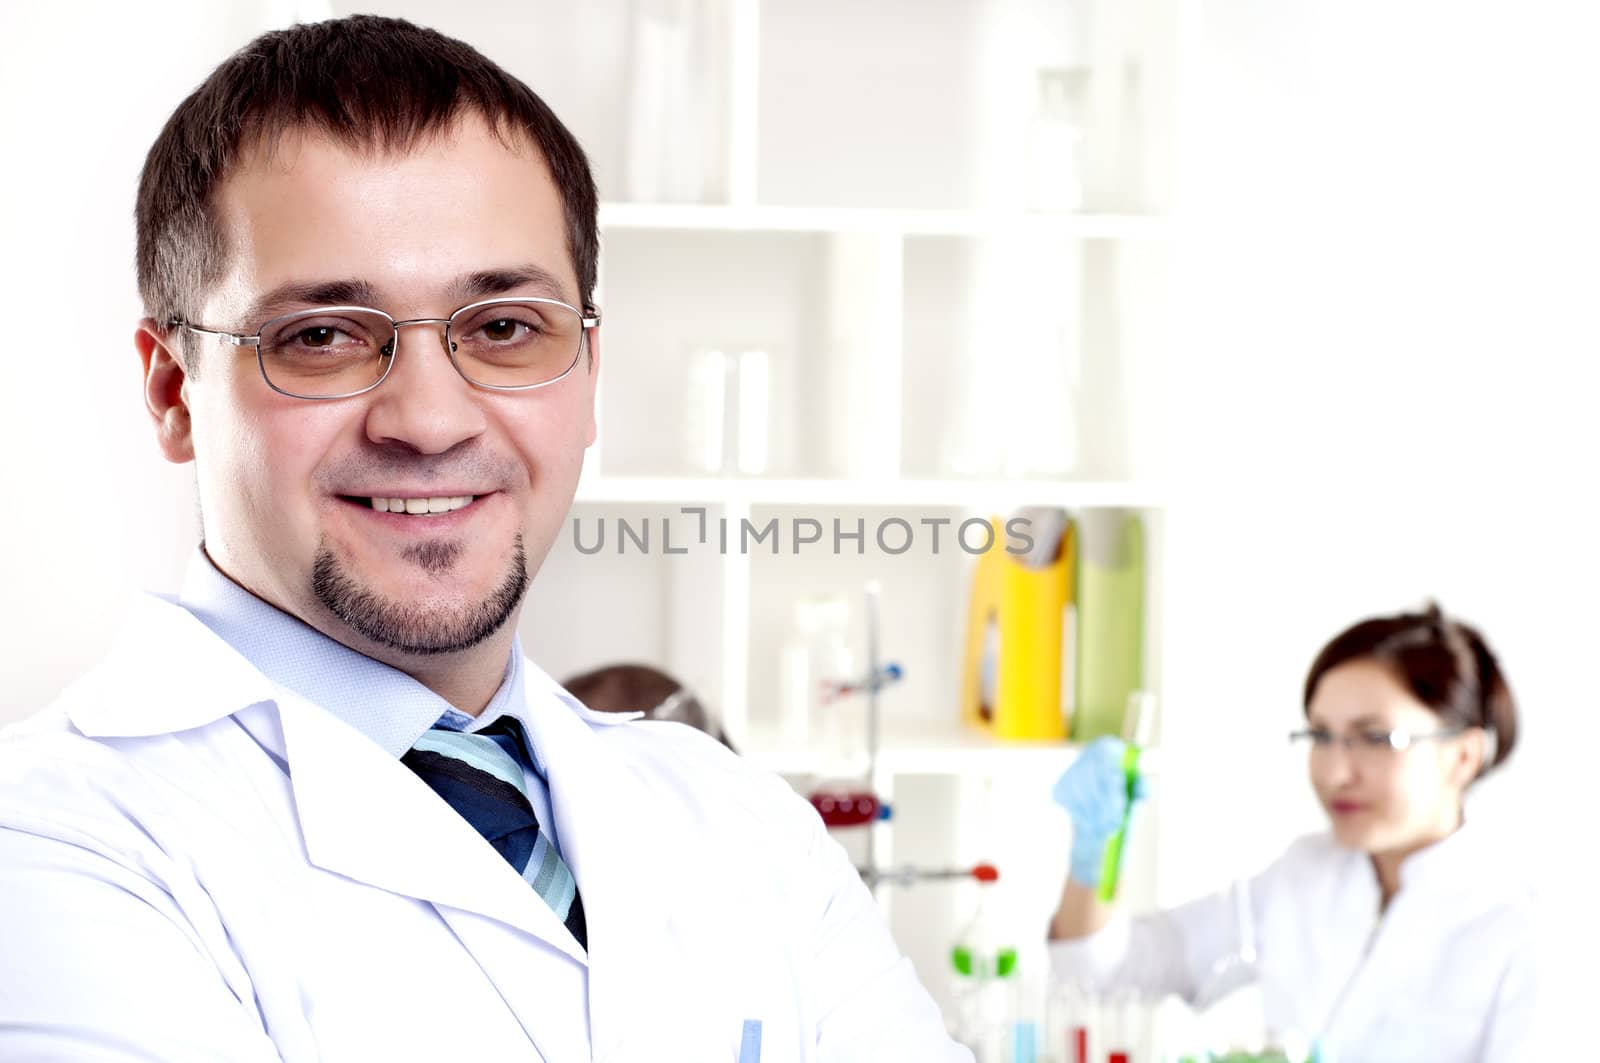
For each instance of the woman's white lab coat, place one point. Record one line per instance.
(1445, 975)
(197, 864)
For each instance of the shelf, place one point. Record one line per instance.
(716, 218)
(911, 749)
(967, 494)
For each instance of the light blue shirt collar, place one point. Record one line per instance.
(381, 702)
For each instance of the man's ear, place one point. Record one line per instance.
(164, 397)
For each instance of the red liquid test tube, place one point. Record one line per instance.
(849, 809)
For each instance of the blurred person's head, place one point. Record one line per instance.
(1405, 713)
(368, 162)
(641, 688)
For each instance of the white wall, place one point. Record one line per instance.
(95, 513)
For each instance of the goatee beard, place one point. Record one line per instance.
(414, 629)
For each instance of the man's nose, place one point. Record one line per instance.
(424, 404)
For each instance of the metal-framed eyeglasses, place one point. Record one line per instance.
(336, 352)
(1369, 743)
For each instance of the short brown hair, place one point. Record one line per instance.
(365, 81)
(1445, 664)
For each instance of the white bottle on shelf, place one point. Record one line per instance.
(754, 390)
(1054, 140)
(671, 95)
(706, 412)
(816, 653)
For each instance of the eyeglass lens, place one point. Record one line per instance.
(337, 351)
(1359, 742)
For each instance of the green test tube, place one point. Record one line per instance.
(1113, 858)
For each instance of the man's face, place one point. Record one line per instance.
(286, 485)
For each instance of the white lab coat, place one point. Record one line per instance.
(1446, 975)
(198, 864)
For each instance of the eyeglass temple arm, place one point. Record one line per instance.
(233, 338)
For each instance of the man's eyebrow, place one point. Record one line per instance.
(488, 283)
(286, 298)
(470, 287)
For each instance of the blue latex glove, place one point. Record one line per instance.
(1094, 791)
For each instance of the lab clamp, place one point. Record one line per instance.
(857, 808)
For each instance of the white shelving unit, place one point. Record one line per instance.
(888, 221)
(971, 494)
(951, 328)
(929, 749)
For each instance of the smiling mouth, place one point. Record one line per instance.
(416, 507)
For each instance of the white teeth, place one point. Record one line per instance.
(420, 506)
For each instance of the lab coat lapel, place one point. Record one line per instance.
(365, 815)
(361, 812)
(644, 971)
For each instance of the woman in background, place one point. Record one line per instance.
(1402, 933)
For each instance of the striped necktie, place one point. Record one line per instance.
(480, 776)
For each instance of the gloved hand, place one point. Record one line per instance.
(1094, 791)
